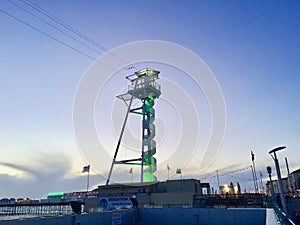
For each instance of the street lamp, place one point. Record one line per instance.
(279, 175)
(269, 170)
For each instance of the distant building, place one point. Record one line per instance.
(229, 189)
(291, 185)
(7, 201)
(59, 197)
(295, 180)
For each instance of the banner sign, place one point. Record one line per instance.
(114, 202)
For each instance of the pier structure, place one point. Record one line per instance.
(35, 209)
(145, 89)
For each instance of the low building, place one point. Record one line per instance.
(229, 189)
(153, 194)
(295, 180)
(275, 185)
(7, 201)
(291, 185)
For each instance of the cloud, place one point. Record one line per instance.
(43, 164)
(231, 167)
(48, 172)
(17, 167)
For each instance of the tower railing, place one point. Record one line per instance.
(141, 85)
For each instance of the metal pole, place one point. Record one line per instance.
(262, 185)
(280, 184)
(271, 184)
(290, 189)
(218, 181)
(253, 178)
(254, 173)
(269, 171)
(143, 141)
(88, 181)
(120, 138)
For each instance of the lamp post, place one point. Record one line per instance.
(269, 170)
(279, 175)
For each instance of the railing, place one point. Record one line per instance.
(220, 201)
(231, 201)
(283, 218)
(149, 83)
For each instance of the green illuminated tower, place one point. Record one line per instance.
(144, 88)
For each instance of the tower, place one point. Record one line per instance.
(144, 88)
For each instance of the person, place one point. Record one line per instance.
(134, 201)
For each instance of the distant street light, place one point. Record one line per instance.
(279, 175)
(269, 170)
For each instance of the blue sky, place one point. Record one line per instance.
(252, 47)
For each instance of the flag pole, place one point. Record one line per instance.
(131, 174)
(254, 173)
(261, 182)
(253, 178)
(88, 179)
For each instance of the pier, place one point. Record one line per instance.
(35, 209)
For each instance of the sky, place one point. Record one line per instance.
(252, 49)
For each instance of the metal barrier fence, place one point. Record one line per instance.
(221, 201)
(231, 201)
(283, 218)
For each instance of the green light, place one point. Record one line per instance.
(56, 194)
(151, 97)
(148, 177)
(149, 102)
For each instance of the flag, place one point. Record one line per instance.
(168, 168)
(86, 169)
(178, 171)
(252, 156)
(130, 171)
